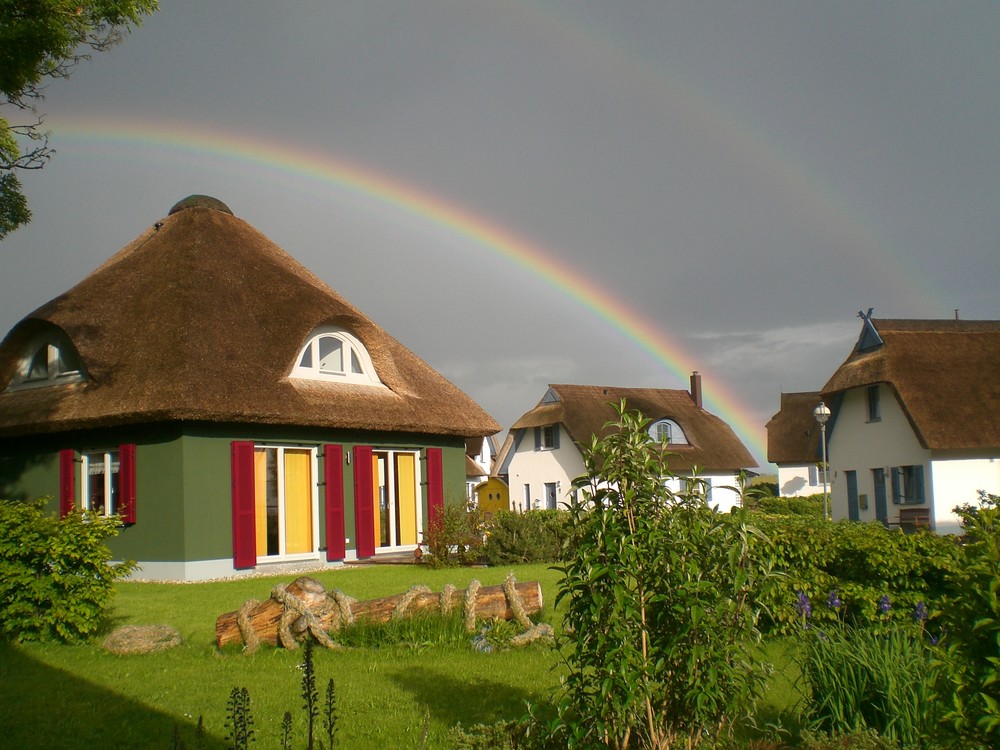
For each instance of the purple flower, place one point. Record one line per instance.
(802, 605)
(884, 605)
(920, 612)
(833, 600)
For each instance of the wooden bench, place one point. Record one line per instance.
(916, 518)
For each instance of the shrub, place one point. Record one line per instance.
(455, 537)
(55, 574)
(861, 561)
(660, 604)
(532, 536)
(970, 617)
(810, 506)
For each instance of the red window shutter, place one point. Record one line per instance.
(333, 494)
(67, 481)
(244, 524)
(435, 485)
(364, 510)
(126, 483)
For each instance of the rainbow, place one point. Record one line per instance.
(270, 158)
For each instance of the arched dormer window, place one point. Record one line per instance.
(667, 432)
(49, 360)
(334, 354)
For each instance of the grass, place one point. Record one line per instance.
(76, 697)
(83, 697)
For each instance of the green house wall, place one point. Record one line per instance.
(183, 481)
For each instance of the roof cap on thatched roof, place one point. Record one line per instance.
(200, 201)
(586, 410)
(945, 373)
(171, 329)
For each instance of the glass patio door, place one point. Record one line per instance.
(284, 501)
(395, 498)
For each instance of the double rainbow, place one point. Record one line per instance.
(270, 159)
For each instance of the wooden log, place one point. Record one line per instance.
(265, 616)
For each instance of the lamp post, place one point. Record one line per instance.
(822, 414)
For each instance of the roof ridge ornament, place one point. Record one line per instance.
(870, 339)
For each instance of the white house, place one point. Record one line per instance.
(541, 457)
(914, 430)
(480, 454)
(793, 437)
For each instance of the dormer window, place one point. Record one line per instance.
(48, 361)
(334, 354)
(667, 432)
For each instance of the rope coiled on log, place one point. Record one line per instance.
(335, 611)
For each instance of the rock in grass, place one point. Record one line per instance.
(142, 639)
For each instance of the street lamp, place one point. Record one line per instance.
(822, 414)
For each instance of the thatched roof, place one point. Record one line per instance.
(201, 318)
(793, 433)
(945, 373)
(585, 410)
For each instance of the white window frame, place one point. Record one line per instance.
(392, 498)
(670, 429)
(816, 473)
(282, 555)
(352, 349)
(110, 459)
(62, 365)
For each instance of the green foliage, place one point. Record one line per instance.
(455, 537)
(55, 574)
(860, 739)
(861, 561)
(503, 735)
(14, 211)
(811, 505)
(660, 602)
(856, 678)
(39, 40)
(495, 635)
(531, 536)
(970, 617)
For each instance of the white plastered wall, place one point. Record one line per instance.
(957, 481)
(537, 467)
(856, 444)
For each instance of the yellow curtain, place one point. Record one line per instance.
(260, 499)
(378, 486)
(406, 496)
(298, 502)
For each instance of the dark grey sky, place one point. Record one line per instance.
(741, 178)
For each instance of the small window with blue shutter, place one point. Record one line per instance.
(547, 437)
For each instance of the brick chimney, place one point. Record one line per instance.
(696, 389)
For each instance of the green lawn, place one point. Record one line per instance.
(73, 697)
(83, 697)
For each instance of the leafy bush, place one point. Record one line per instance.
(532, 536)
(811, 505)
(660, 604)
(455, 537)
(861, 561)
(970, 617)
(55, 574)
